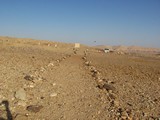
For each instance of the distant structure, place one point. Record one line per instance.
(77, 45)
(106, 50)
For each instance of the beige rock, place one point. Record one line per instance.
(87, 63)
(20, 94)
(53, 95)
(50, 64)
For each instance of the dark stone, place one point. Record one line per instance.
(34, 108)
(28, 77)
(109, 87)
(42, 97)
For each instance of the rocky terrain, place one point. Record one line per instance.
(44, 80)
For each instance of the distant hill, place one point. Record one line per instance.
(129, 48)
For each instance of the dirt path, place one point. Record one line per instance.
(69, 93)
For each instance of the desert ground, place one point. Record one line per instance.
(46, 80)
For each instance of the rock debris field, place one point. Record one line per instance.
(44, 80)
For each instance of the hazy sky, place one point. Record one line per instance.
(110, 22)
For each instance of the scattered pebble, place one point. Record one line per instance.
(42, 97)
(53, 95)
(100, 81)
(13, 98)
(34, 108)
(87, 63)
(29, 77)
(84, 58)
(31, 86)
(42, 69)
(53, 84)
(50, 64)
(94, 71)
(109, 87)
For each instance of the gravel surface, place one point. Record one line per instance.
(42, 80)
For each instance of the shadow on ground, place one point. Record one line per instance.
(7, 110)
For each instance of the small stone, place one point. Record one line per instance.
(87, 63)
(34, 108)
(13, 98)
(53, 84)
(50, 64)
(109, 87)
(100, 81)
(31, 86)
(29, 77)
(84, 58)
(42, 69)
(90, 105)
(20, 94)
(26, 114)
(42, 97)
(98, 112)
(53, 95)
(94, 71)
